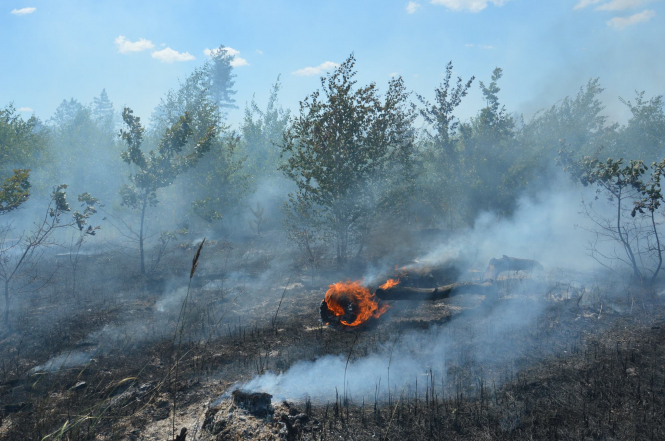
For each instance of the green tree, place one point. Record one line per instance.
(440, 184)
(191, 97)
(103, 112)
(220, 78)
(217, 185)
(344, 151)
(85, 149)
(627, 193)
(23, 143)
(158, 168)
(262, 132)
(14, 191)
(220, 184)
(644, 135)
(647, 204)
(577, 122)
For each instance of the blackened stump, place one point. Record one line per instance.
(506, 263)
(256, 403)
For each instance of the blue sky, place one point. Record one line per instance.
(53, 50)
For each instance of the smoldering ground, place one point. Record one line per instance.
(548, 228)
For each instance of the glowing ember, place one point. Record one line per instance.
(351, 297)
(390, 283)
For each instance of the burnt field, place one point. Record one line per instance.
(299, 244)
(553, 355)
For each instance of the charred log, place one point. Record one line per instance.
(400, 292)
(424, 276)
(256, 403)
(506, 263)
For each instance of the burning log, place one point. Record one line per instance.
(497, 266)
(400, 292)
(349, 304)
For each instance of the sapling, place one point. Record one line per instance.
(627, 192)
(18, 259)
(158, 168)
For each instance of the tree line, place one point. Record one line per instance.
(352, 158)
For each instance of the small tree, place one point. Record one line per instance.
(258, 222)
(158, 169)
(19, 258)
(628, 193)
(651, 198)
(345, 152)
(89, 205)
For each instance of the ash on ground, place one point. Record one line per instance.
(251, 416)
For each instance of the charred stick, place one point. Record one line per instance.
(442, 292)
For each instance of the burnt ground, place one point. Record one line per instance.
(98, 362)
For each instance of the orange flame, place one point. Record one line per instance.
(363, 302)
(390, 283)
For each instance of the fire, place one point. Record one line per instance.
(352, 297)
(390, 283)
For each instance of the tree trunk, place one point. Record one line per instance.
(660, 252)
(5, 315)
(624, 242)
(145, 203)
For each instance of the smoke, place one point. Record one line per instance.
(548, 228)
(481, 343)
(543, 228)
(64, 361)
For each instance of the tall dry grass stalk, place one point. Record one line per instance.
(181, 322)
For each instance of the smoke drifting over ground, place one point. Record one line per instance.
(548, 229)
(157, 255)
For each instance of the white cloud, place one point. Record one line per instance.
(612, 5)
(237, 62)
(308, 71)
(468, 5)
(259, 51)
(412, 7)
(620, 5)
(393, 74)
(125, 46)
(23, 11)
(25, 109)
(584, 3)
(480, 46)
(623, 22)
(168, 55)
